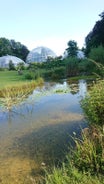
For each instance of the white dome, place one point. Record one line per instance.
(40, 54)
(4, 61)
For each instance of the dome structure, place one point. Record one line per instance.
(4, 61)
(40, 54)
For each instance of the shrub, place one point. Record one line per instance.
(93, 104)
(28, 76)
(11, 65)
(97, 54)
(2, 69)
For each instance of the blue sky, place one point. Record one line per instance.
(50, 23)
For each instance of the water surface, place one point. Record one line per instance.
(38, 130)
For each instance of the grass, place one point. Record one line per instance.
(11, 78)
(71, 175)
(82, 77)
(93, 104)
(15, 94)
(85, 164)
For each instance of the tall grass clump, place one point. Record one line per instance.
(14, 94)
(71, 175)
(85, 162)
(88, 156)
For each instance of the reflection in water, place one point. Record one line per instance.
(83, 88)
(38, 130)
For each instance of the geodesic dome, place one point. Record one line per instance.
(40, 54)
(4, 61)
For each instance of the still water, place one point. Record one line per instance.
(38, 130)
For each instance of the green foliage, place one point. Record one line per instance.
(72, 48)
(93, 104)
(5, 47)
(28, 76)
(89, 153)
(72, 68)
(97, 54)
(20, 66)
(85, 163)
(96, 36)
(71, 175)
(2, 69)
(58, 73)
(11, 65)
(10, 47)
(86, 67)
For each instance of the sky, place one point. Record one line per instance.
(49, 23)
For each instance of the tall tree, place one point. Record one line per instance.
(11, 47)
(19, 49)
(72, 48)
(5, 47)
(96, 36)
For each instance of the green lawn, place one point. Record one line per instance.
(11, 77)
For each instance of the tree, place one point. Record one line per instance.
(10, 47)
(19, 49)
(11, 65)
(72, 68)
(5, 47)
(72, 48)
(96, 36)
(97, 54)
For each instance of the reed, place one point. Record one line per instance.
(13, 95)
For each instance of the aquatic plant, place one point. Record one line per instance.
(13, 95)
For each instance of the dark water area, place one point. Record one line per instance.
(39, 129)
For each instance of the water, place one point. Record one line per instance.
(39, 129)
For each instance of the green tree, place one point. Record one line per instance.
(72, 68)
(5, 47)
(11, 65)
(96, 36)
(10, 47)
(97, 54)
(19, 49)
(72, 48)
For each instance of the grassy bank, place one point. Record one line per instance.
(11, 78)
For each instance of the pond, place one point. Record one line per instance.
(39, 130)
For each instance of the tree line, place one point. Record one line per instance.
(94, 45)
(11, 47)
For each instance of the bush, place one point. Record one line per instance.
(97, 54)
(93, 104)
(28, 76)
(2, 69)
(72, 67)
(11, 65)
